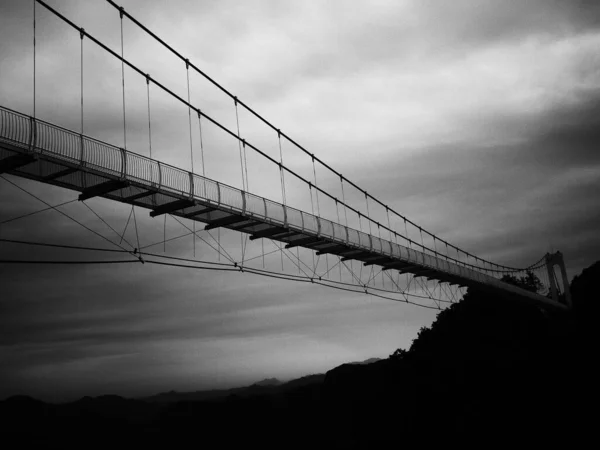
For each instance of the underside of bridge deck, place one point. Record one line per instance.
(66, 168)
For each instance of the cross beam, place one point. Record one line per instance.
(285, 235)
(332, 250)
(60, 173)
(303, 242)
(267, 233)
(356, 256)
(402, 267)
(200, 211)
(170, 207)
(243, 226)
(316, 244)
(376, 260)
(102, 189)
(350, 252)
(229, 220)
(424, 273)
(138, 196)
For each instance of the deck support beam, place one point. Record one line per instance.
(402, 267)
(357, 256)
(171, 207)
(303, 242)
(138, 196)
(60, 173)
(223, 222)
(242, 226)
(200, 211)
(102, 189)
(285, 235)
(377, 260)
(331, 250)
(267, 233)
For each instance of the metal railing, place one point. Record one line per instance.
(55, 143)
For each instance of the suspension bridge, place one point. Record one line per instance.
(439, 272)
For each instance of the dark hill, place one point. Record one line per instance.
(486, 369)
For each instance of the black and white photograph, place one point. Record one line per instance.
(329, 224)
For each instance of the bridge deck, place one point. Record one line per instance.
(38, 150)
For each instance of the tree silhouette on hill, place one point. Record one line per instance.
(529, 281)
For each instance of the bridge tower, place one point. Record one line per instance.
(553, 260)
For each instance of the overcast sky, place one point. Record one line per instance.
(476, 119)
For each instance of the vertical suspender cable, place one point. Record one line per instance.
(345, 214)
(316, 185)
(124, 122)
(34, 45)
(379, 230)
(149, 126)
(123, 81)
(237, 121)
(360, 228)
(337, 211)
(204, 176)
(201, 148)
(282, 176)
(187, 72)
(410, 246)
(312, 210)
(281, 171)
(81, 81)
(81, 34)
(241, 144)
(368, 213)
(344, 199)
(387, 211)
(369, 220)
(319, 208)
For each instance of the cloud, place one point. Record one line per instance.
(476, 120)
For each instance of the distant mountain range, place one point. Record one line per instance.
(367, 361)
(268, 382)
(266, 386)
(473, 367)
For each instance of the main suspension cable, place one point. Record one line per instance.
(267, 123)
(508, 269)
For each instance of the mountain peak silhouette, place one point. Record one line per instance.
(268, 382)
(366, 361)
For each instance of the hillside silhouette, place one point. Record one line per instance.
(486, 368)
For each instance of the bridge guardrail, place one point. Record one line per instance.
(43, 138)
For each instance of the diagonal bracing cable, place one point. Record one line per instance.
(267, 123)
(66, 215)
